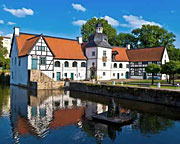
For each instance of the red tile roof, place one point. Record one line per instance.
(122, 55)
(61, 48)
(145, 54)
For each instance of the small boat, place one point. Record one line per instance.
(124, 119)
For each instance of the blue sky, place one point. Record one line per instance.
(64, 18)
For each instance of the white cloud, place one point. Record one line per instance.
(19, 12)
(79, 22)
(136, 22)
(111, 21)
(78, 7)
(11, 23)
(1, 22)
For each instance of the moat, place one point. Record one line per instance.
(64, 117)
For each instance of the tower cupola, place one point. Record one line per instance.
(99, 28)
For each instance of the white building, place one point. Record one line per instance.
(61, 58)
(6, 41)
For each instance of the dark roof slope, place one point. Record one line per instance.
(98, 40)
(145, 54)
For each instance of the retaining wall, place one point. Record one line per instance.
(152, 95)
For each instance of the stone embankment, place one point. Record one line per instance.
(152, 95)
(39, 80)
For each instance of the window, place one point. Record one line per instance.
(121, 74)
(41, 48)
(115, 65)
(127, 65)
(65, 74)
(104, 64)
(57, 64)
(19, 62)
(74, 64)
(43, 61)
(113, 74)
(145, 63)
(83, 64)
(93, 53)
(104, 73)
(104, 53)
(93, 64)
(120, 65)
(66, 64)
(53, 75)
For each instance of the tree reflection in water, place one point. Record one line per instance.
(150, 124)
(43, 112)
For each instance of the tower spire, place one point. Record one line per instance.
(99, 27)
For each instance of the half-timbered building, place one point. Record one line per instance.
(60, 58)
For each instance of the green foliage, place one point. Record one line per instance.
(153, 36)
(174, 53)
(5, 63)
(89, 28)
(171, 68)
(153, 68)
(125, 38)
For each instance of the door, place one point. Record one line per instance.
(72, 76)
(118, 76)
(144, 76)
(127, 75)
(34, 63)
(58, 76)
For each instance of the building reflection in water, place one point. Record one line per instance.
(40, 112)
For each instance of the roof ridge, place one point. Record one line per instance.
(147, 48)
(49, 36)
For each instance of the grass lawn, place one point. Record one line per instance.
(145, 81)
(162, 87)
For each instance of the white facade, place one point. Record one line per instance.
(99, 63)
(7, 44)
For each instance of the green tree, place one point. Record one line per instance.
(174, 53)
(3, 53)
(125, 38)
(171, 68)
(89, 28)
(153, 36)
(153, 69)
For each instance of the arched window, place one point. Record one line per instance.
(115, 65)
(57, 64)
(74, 64)
(66, 64)
(120, 65)
(83, 64)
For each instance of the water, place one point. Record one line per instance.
(50, 117)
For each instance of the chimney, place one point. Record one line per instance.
(16, 31)
(128, 46)
(80, 40)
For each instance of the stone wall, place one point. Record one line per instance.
(39, 80)
(152, 95)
